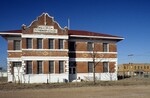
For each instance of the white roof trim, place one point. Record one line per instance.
(95, 37)
(7, 33)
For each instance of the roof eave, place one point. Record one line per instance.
(101, 37)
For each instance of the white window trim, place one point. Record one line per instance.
(31, 43)
(26, 67)
(42, 43)
(53, 43)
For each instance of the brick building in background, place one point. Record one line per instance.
(133, 69)
(44, 52)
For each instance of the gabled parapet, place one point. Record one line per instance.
(44, 24)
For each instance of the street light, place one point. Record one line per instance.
(130, 55)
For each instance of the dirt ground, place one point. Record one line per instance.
(134, 91)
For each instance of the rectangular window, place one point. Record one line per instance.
(105, 66)
(90, 46)
(134, 67)
(105, 47)
(17, 44)
(29, 43)
(51, 66)
(51, 44)
(39, 67)
(72, 46)
(61, 44)
(90, 67)
(61, 67)
(29, 67)
(39, 43)
(16, 64)
(124, 67)
(147, 67)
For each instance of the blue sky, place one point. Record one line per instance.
(127, 18)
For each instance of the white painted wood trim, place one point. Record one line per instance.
(103, 37)
(45, 36)
(45, 50)
(92, 52)
(96, 59)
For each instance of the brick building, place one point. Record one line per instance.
(44, 52)
(133, 69)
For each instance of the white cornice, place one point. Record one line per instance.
(102, 37)
(8, 33)
(44, 36)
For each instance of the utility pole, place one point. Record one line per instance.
(130, 68)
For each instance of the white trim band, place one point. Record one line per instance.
(45, 36)
(96, 59)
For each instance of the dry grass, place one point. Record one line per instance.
(127, 82)
(129, 88)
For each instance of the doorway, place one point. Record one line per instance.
(17, 72)
(72, 71)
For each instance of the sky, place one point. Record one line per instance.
(126, 18)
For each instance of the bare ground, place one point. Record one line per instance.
(130, 88)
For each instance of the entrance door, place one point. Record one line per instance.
(72, 71)
(17, 72)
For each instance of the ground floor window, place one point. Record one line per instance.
(90, 67)
(105, 66)
(51, 66)
(61, 67)
(29, 67)
(39, 67)
(16, 64)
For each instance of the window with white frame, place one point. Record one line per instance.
(90, 67)
(16, 64)
(61, 43)
(105, 47)
(39, 43)
(51, 66)
(61, 66)
(29, 67)
(39, 67)
(17, 44)
(29, 43)
(51, 44)
(105, 67)
(90, 46)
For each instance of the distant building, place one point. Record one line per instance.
(44, 52)
(133, 68)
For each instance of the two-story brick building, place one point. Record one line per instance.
(44, 52)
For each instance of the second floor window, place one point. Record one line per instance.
(17, 44)
(39, 43)
(51, 44)
(29, 43)
(72, 46)
(61, 44)
(105, 47)
(90, 46)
